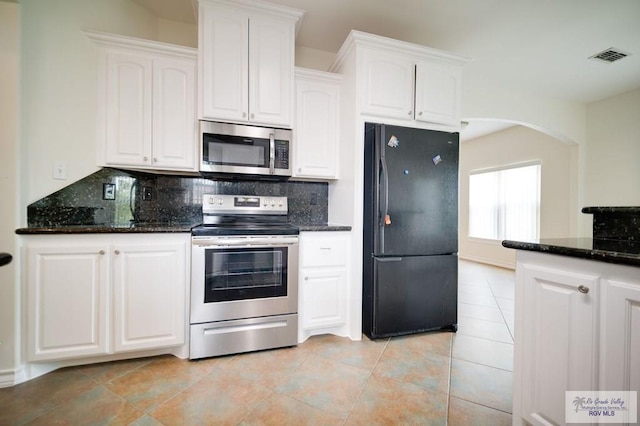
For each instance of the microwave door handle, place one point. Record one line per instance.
(272, 153)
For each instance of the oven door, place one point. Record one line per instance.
(236, 277)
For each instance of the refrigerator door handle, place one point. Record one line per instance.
(385, 192)
(388, 259)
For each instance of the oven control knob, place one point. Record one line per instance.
(220, 201)
(211, 201)
(279, 203)
(273, 203)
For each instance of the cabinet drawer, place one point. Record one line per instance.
(324, 252)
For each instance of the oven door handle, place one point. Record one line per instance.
(220, 242)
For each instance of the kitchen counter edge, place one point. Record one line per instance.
(97, 229)
(323, 228)
(618, 252)
(131, 229)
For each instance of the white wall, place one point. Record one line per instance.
(613, 151)
(558, 203)
(8, 163)
(59, 86)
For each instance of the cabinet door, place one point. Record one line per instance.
(388, 81)
(224, 66)
(66, 301)
(128, 109)
(149, 283)
(438, 93)
(316, 128)
(271, 62)
(324, 294)
(621, 334)
(559, 340)
(174, 119)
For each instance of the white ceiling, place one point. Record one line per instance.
(541, 47)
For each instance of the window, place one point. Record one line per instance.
(505, 204)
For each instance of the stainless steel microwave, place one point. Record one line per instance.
(245, 150)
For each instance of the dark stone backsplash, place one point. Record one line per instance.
(173, 200)
(615, 223)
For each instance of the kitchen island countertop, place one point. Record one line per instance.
(610, 251)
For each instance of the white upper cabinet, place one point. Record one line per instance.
(403, 83)
(316, 124)
(389, 84)
(246, 62)
(146, 104)
(438, 92)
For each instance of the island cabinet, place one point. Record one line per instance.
(577, 329)
(409, 83)
(90, 295)
(146, 104)
(324, 284)
(316, 125)
(246, 62)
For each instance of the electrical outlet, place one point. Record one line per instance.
(147, 193)
(60, 170)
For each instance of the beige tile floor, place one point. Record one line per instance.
(433, 378)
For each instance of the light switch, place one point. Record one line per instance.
(60, 170)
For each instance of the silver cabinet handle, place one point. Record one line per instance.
(155, 160)
(145, 158)
(101, 252)
(244, 115)
(410, 112)
(253, 116)
(420, 113)
(117, 252)
(583, 289)
(306, 278)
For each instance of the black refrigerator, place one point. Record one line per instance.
(410, 241)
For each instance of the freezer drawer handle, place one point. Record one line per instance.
(388, 259)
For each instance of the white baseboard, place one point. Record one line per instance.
(10, 378)
(477, 259)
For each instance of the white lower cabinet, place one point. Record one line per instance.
(324, 284)
(577, 328)
(621, 334)
(92, 295)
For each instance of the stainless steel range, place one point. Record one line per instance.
(244, 278)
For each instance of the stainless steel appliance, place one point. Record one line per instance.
(244, 278)
(410, 262)
(237, 149)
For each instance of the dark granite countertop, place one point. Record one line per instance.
(610, 251)
(148, 228)
(123, 228)
(322, 227)
(5, 259)
(609, 209)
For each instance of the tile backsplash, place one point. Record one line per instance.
(153, 198)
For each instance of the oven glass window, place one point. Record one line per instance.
(235, 151)
(246, 273)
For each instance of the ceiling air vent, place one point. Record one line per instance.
(609, 55)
